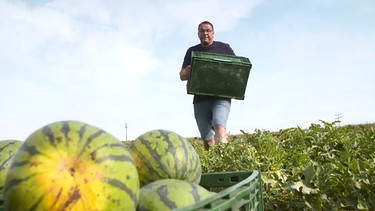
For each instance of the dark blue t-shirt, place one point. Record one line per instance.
(215, 47)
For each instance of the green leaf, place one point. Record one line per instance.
(299, 186)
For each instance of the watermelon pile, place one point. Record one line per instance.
(71, 165)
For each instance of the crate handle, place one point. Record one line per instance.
(221, 60)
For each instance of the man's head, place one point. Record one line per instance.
(206, 33)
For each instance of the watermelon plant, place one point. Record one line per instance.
(71, 165)
(323, 167)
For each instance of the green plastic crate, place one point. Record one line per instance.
(218, 75)
(241, 191)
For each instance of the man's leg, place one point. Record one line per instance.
(203, 116)
(220, 134)
(208, 143)
(220, 113)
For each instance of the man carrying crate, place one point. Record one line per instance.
(210, 112)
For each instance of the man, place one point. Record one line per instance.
(211, 113)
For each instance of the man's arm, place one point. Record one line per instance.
(185, 72)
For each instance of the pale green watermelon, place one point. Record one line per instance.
(163, 154)
(7, 150)
(168, 194)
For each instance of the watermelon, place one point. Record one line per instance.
(71, 165)
(168, 194)
(7, 150)
(164, 154)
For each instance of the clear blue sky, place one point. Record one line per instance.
(111, 63)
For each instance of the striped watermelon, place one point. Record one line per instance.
(70, 165)
(163, 154)
(168, 194)
(7, 150)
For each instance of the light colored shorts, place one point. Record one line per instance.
(210, 113)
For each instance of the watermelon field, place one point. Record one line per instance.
(326, 166)
(323, 167)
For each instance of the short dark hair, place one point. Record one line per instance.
(206, 22)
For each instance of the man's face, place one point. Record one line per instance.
(206, 34)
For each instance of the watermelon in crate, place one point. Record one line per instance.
(168, 194)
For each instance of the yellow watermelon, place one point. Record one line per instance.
(71, 165)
